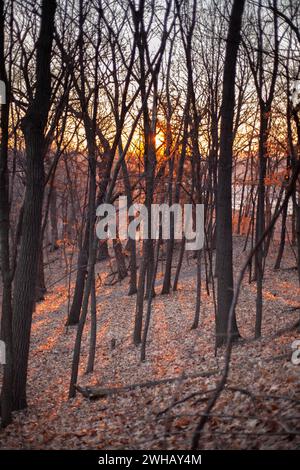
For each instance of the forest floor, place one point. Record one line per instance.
(259, 408)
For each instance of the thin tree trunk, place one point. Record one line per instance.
(260, 221)
(198, 292)
(179, 264)
(93, 334)
(149, 304)
(120, 259)
(282, 239)
(131, 243)
(74, 315)
(53, 219)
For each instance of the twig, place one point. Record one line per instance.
(98, 392)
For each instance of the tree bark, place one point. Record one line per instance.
(74, 314)
(224, 204)
(6, 319)
(33, 126)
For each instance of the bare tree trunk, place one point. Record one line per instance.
(297, 200)
(260, 221)
(137, 333)
(93, 334)
(34, 124)
(74, 315)
(90, 269)
(149, 304)
(6, 318)
(179, 264)
(170, 158)
(147, 262)
(40, 282)
(103, 253)
(282, 239)
(224, 206)
(53, 219)
(265, 108)
(171, 242)
(198, 292)
(121, 265)
(131, 243)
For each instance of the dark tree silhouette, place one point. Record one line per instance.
(33, 125)
(224, 204)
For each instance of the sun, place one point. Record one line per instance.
(159, 139)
